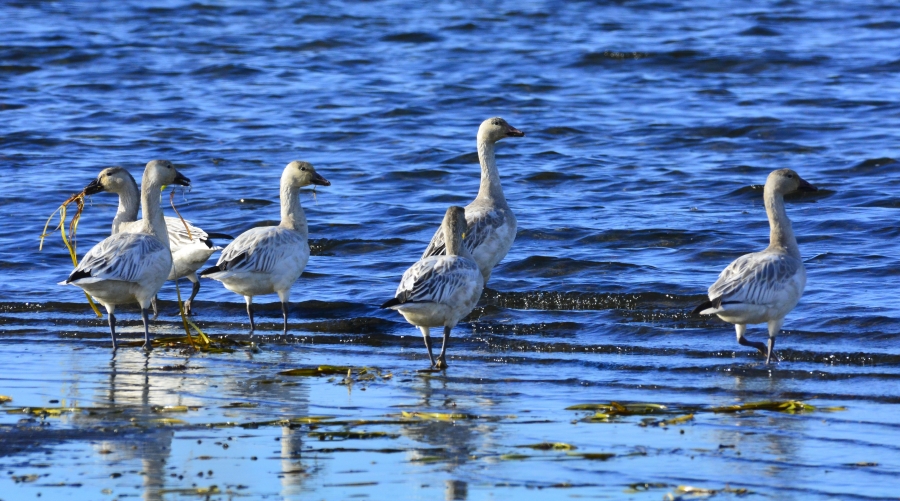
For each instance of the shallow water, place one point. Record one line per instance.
(650, 128)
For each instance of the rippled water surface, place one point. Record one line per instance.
(650, 128)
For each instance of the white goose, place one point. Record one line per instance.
(438, 291)
(189, 252)
(492, 224)
(132, 265)
(270, 259)
(763, 287)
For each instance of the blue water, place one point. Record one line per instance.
(650, 128)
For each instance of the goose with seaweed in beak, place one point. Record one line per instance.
(763, 287)
(132, 265)
(189, 251)
(439, 291)
(270, 259)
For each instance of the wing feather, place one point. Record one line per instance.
(261, 250)
(758, 278)
(178, 235)
(436, 279)
(128, 257)
(482, 223)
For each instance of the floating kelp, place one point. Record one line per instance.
(351, 435)
(363, 422)
(220, 345)
(168, 421)
(789, 406)
(174, 408)
(438, 416)
(593, 456)
(667, 422)
(513, 457)
(617, 409)
(606, 412)
(644, 487)
(239, 405)
(322, 370)
(549, 446)
(695, 492)
(4, 399)
(46, 411)
(193, 491)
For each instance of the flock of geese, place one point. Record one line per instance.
(439, 290)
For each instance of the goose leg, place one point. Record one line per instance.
(249, 300)
(112, 329)
(284, 308)
(145, 314)
(741, 329)
(774, 329)
(426, 333)
(442, 360)
(194, 290)
(153, 304)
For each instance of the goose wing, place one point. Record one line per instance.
(435, 279)
(261, 249)
(482, 223)
(758, 278)
(179, 238)
(128, 257)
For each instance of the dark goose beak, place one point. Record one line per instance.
(181, 180)
(93, 188)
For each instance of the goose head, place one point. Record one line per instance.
(162, 172)
(114, 180)
(784, 181)
(299, 174)
(495, 129)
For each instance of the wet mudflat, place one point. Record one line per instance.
(280, 421)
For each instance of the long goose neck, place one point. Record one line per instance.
(453, 239)
(129, 203)
(152, 214)
(781, 234)
(490, 178)
(292, 215)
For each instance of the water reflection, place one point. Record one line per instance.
(293, 472)
(771, 436)
(455, 442)
(129, 384)
(456, 490)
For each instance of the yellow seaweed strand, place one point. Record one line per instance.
(78, 198)
(184, 319)
(200, 333)
(172, 203)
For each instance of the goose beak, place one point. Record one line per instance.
(181, 180)
(318, 180)
(93, 188)
(513, 132)
(805, 186)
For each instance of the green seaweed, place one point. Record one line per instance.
(351, 435)
(788, 406)
(549, 446)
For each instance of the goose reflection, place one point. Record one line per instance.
(761, 438)
(130, 385)
(453, 441)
